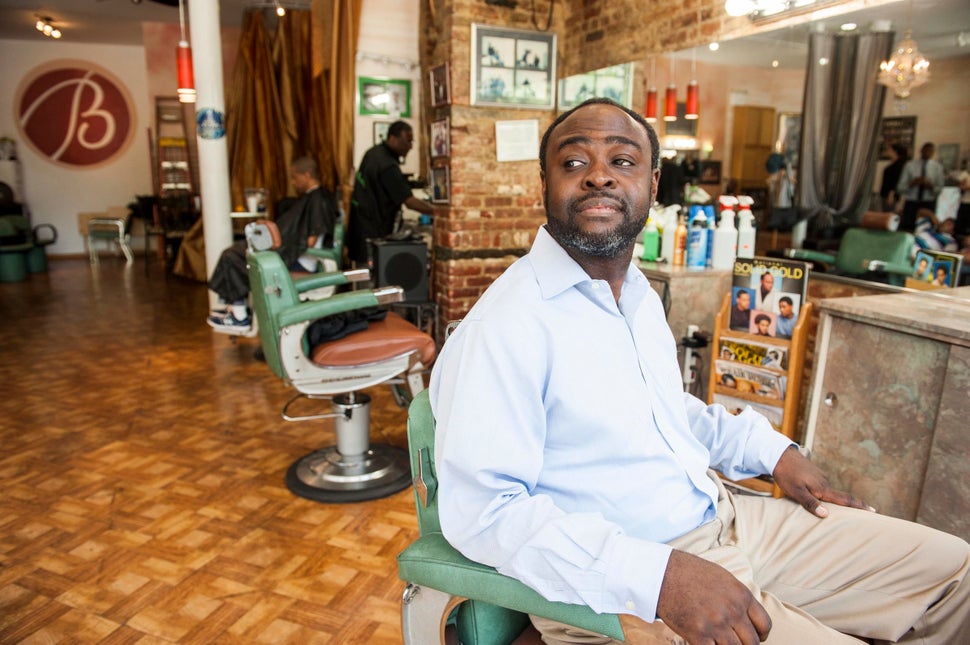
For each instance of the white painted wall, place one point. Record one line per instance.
(55, 194)
(389, 28)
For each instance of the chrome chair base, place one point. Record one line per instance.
(328, 476)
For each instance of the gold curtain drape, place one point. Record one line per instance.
(336, 26)
(254, 117)
(293, 94)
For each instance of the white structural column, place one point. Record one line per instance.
(210, 114)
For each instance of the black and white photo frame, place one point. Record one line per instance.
(440, 85)
(513, 67)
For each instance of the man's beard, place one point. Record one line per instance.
(604, 245)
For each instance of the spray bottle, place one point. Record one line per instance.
(651, 241)
(680, 242)
(746, 233)
(697, 240)
(726, 236)
(668, 218)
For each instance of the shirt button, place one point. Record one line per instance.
(631, 605)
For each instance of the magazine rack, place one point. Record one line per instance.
(787, 405)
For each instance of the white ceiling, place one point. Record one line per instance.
(937, 25)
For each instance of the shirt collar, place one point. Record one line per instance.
(556, 271)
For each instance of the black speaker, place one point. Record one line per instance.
(402, 263)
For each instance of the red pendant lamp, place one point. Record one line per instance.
(650, 109)
(670, 98)
(670, 103)
(183, 62)
(693, 93)
(693, 101)
(650, 113)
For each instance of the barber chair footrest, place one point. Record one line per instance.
(327, 476)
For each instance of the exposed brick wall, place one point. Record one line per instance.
(495, 207)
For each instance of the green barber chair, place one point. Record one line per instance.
(492, 609)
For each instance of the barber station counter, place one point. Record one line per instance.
(890, 400)
(690, 297)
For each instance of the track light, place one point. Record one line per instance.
(45, 25)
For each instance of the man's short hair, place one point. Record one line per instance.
(786, 299)
(398, 128)
(760, 317)
(651, 133)
(306, 165)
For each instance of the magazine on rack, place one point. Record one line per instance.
(751, 379)
(735, 405)
(937, 268)
(767, 294)
(752, 352)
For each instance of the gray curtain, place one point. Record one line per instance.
(841, 113)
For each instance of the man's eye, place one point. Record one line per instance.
(622, 162)
(572, 163)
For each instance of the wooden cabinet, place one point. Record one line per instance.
(889, 403)
(752, 138)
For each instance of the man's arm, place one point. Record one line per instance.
(420, 205)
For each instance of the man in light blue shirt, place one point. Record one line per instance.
(569, 457)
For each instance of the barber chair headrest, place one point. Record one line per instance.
(879, 221)
(263, 235)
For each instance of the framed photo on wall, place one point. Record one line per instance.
(615, 82)
(380, 131)
(440, 138)
(513, 67)
(897, 129)
(440, 185)
(383, 97)
(440, 85)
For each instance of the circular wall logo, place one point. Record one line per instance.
(74, 113)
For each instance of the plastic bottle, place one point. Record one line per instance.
(668, 218)
(726, 236)
(651, 241)
(711, 227)
(746, 233)
(697, 241)
(680, 242)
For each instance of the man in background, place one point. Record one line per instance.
(307, 222)
(919, 184)
(380, 189)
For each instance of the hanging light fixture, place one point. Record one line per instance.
(693, 92)
(670, 98)
(45, 25)
(906, 68)
(183, 62)
(650, 112)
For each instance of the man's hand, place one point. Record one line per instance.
(802, 481)
(706, 605)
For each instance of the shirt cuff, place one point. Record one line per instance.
(765, 448)
(636, 575)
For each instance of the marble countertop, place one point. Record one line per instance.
(943, 314)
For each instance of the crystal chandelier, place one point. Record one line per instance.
(906, 68)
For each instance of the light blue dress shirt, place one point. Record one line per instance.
(567, 452)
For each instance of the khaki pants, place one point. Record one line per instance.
(853, 572)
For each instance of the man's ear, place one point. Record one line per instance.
(542, 187)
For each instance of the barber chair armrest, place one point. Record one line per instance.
(339, 303)
(809, 255)
(892, 268)
(330, 279)
(430, 561)
(326, 254)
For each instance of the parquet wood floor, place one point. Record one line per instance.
(142, 459)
